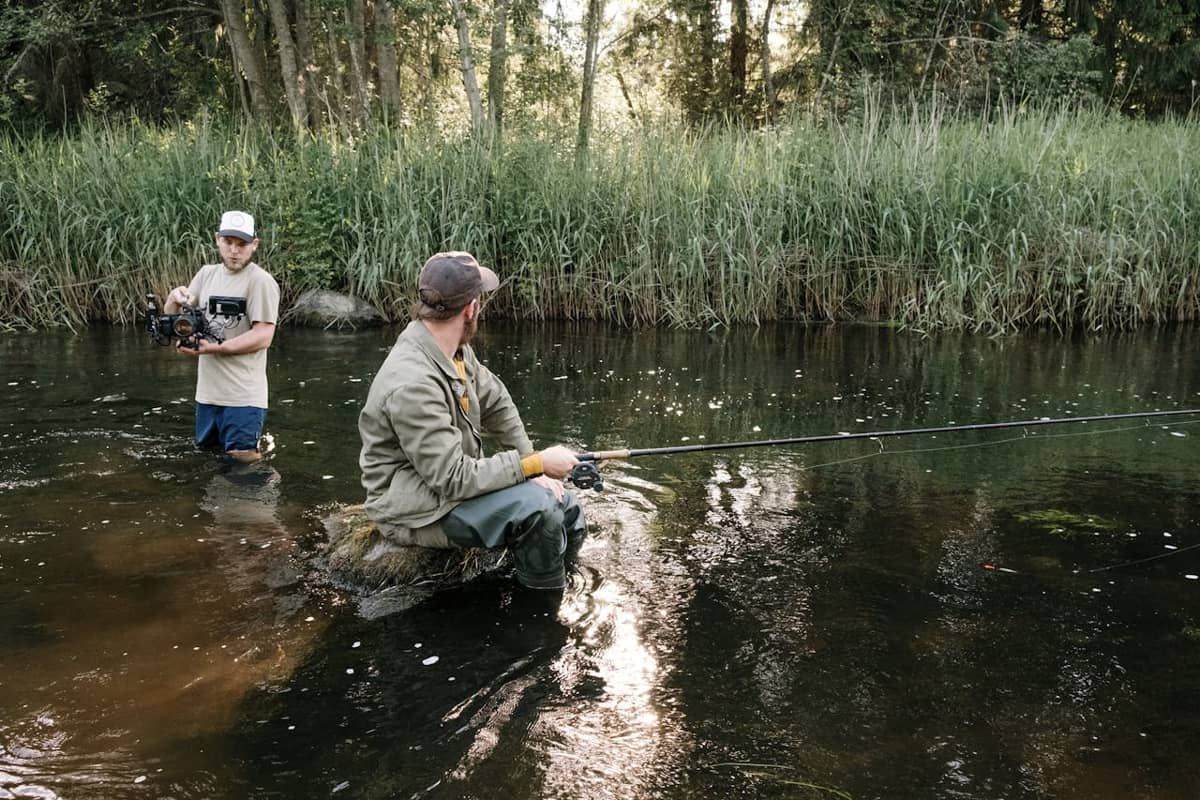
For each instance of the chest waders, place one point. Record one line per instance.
(542, 533)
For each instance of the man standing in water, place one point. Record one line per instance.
(428, 482)
(242, 300)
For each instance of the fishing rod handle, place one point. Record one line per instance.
(604, 455)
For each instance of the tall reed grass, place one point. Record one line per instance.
(1030, 218)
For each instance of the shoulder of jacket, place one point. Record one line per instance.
(409, 365)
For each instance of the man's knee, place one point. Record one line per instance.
(540, 544)
(574, 524)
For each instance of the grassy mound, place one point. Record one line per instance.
(362, 559)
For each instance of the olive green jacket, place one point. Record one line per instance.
(421, 453)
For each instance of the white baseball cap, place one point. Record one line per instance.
(237, 223)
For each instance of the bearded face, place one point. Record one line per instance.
(469, 327)
(235, 253)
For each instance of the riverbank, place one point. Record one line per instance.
(1034, 218)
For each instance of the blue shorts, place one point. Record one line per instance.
(229, 427)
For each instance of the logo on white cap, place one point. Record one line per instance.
(235, 223)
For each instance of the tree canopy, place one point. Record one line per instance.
(483, 64)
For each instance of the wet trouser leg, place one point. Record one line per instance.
(540, 530)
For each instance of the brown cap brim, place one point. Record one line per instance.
(490, 282)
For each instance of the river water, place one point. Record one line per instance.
(805, 622)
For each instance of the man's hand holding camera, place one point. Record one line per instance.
(200, 347)
(179, 297)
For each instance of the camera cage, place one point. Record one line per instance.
(191, 324)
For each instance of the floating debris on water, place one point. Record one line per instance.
(1067, 524)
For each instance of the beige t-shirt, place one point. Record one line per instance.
(239, 380)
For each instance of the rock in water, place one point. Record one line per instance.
(389, 577)
(326, 309)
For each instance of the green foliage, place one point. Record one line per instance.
(1049, 72)
(1031, 218)
(308, 226)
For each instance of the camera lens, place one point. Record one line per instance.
(184, 327)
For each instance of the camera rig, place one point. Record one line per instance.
(191, 324)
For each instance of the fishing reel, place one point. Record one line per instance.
(586, 475)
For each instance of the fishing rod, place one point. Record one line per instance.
(586, 474)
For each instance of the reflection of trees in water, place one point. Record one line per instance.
(847, 642)
(163, 625)
(527, 695)
(739, 608)
(843, 613)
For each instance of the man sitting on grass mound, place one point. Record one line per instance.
(428, 481)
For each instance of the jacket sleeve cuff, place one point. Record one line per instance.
(531, 465)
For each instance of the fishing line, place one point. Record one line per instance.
(1145, 560)
(1024, 438)
(586, 474)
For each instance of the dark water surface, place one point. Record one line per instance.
(772, 623)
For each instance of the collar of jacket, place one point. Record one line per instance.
(419, 335)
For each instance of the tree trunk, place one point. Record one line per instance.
(470, 82)
(389, 65)
(239, 81)
(831, 60)
(430, 75)
(356, 22)
(595, 11)
(708, 56)
(498, 67)
(289, 69)
(739, 47)
(1031, 15)
(260, 34)
(625, 92)
(245, 56)
(768, 87)
(308, 62)
(337, 82)
(935, 46)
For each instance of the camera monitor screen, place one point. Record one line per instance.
(226, 306)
